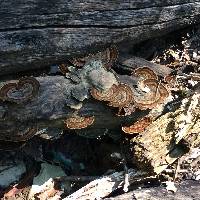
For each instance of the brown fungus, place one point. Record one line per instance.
(108, 57)
(145, 73)
(106, 95)
(64, 68)
(78, 122)
(79, 62)
(122, 97)
(20, 92)
(28, 134)
(118, 96)
(171, 81)
(138, 126)
(128, 110)
(156, 94)
(21, 134)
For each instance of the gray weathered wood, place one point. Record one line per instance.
(37, 33)
(57, 96)
(186, 190)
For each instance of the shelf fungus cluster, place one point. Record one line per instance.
(78, 122)
(21, 91)
(138, 126)
(17, 131)
(150, 93)
(118, 96)
(108, 58)
(92, 75)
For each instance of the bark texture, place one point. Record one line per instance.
(37, 33)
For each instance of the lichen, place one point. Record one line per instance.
(92, 75)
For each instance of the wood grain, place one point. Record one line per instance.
(36, 33)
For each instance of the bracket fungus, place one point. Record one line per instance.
(108, 58)
(119, 96)
(78, 122)
(151, 92)
(137, 127)
(91, 75)
(19, 134)
(156, 95)
(63, 68)
(105, 95)
(122, 97)
(171, 81)
(20, 92)
(144, 73)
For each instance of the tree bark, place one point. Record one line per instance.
(35, 34)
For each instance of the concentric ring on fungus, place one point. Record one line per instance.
(63, 68)
(79, 62)
(138, 126)
(28, 134)
(106, 95)
(122, 97)
(145, 73)
(157, 94)
(108, 57)
(170, 80)
(28, 86)
(78, 122)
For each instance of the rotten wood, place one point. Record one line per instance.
(170, 136)
(57, 99)
(36, 34)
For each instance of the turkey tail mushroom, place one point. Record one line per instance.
(63, 68)
(20, 134)
(118, 96)
(108, 57)
(78, 122)
(144, 73)
(156, 95)
(20, 92)
(122, 97)
(79, 62)
(106, 95)
(137, 127)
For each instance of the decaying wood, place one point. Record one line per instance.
(130, 63)
(170, 136)
(57, 99)
(104, 186)
(186, 190)
(37, 34)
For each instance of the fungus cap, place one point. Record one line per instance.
(78, 122)
(145, 73)
(138, 126)
(20, 92)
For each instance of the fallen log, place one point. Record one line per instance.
(57, 98)
(37, 34)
